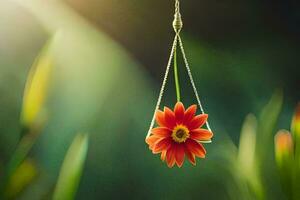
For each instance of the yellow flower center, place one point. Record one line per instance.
(180, 133)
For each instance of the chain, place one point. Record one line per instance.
(162, 89)
(177, 6)
(177, 25)
(191, 79)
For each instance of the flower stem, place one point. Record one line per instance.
(176, 76)
(25, 145)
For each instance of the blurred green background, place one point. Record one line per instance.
(108, 59)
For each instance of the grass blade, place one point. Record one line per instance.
(71, 169)
(36, 89)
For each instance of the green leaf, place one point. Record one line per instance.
(22, 177)
(295, 130)
(266, 126)
(246, 154)
(36, 89)
(264, 154)
(32, 113)
(71, 169)
(284, 154)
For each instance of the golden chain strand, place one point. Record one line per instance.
(177, 25)
(162, 89)
(192, 80)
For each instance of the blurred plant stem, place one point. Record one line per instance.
(284, 154)
(176, 78)
(33, 115)
(247, 159)
(23, 176)
(295, 131)
(266, 127)
(287, 154)
(253, 159)
(246, 156)
(72, 168)
(21, 152)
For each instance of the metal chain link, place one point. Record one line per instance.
(177, 22)
(191, 79)
(177, 6)
(177, 25)
(162, 89)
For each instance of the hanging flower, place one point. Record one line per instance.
(179, 134)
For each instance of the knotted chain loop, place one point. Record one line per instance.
(177, 23)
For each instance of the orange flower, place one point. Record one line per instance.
(283, 141)
(283, 146)
(295, 128)
(179, 134)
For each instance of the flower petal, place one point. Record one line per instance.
(170, 156)
(160, 118)
(197, 121)
(201, 134)
(162, 144)
(190, 156)
(179, 154)
(189, 113)
(179, 112)
(161, 132)
(151, 140)
(169, 118)
(195, 148)
(163, 155)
